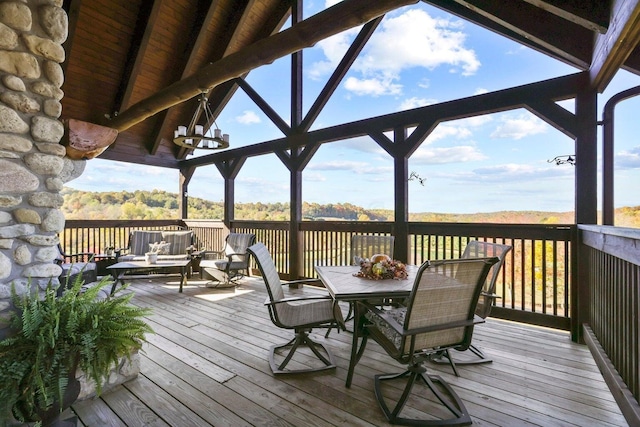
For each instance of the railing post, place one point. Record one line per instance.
(580, 294)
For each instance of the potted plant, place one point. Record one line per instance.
(53, 337)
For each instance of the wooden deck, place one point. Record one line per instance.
(206, 365)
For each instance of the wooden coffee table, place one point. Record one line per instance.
(118, 270)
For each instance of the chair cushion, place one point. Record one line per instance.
(221, 264)
(140, 239)
(77, 267)
(180, 241)
(397, 314)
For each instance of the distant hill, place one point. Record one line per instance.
(162, 205)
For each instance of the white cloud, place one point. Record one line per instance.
(518, 127)
(248, 117)
(314, 177)
(410, 39)
(333, 48)
(628, 159)
(511, 172)
(476, 121)
(442, 155)
(416, 102)
(372, 86)
(481, 91)
(359, 168)
(443, 131)
(415, 39)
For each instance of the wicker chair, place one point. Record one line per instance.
(476, 249)
(224, 267)
(440, 315)
(298, 313)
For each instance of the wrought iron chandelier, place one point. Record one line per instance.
(193, 136)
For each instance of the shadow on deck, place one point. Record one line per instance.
(207, 364)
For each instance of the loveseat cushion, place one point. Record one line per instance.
(139, 241)
(180, 241)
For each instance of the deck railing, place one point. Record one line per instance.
(610, 281)
(534, 284)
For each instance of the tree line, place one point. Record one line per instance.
(156, 204)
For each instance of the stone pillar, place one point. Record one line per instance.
(32, 160)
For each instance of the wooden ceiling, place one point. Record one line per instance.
(122, 54)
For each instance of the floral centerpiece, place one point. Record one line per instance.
(381, 267)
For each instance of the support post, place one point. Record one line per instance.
(586, 189)
(401, 193)
(185, 177)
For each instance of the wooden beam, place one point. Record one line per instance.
(507, 99)
(342, 16)
(566, 39)
(591, 14)
(85, 140)
(613, 48)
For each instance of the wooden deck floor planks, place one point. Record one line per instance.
(207, 364)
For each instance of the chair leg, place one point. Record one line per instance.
(301, 339)
(449, 398)
(442, 358)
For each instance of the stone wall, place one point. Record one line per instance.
(32, 160)
(33, 166)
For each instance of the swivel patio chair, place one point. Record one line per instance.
(475, 249)
(439, 316)
(224, 267)
(298, 313)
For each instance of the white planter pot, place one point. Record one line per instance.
(151, 257)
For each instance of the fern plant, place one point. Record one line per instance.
(54, 335)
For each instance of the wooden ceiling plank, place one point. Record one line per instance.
(163, 125)
(147, 20)
(591, 14)
(342, 16)
(613, 48)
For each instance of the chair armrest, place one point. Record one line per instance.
(294, 299)
(211, 254)
(301, 281)
(488, 295)
(81, 256)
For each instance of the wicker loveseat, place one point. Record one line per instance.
(140, 240)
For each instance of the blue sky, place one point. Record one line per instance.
(418, 56)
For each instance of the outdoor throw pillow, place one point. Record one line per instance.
(161, 248)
